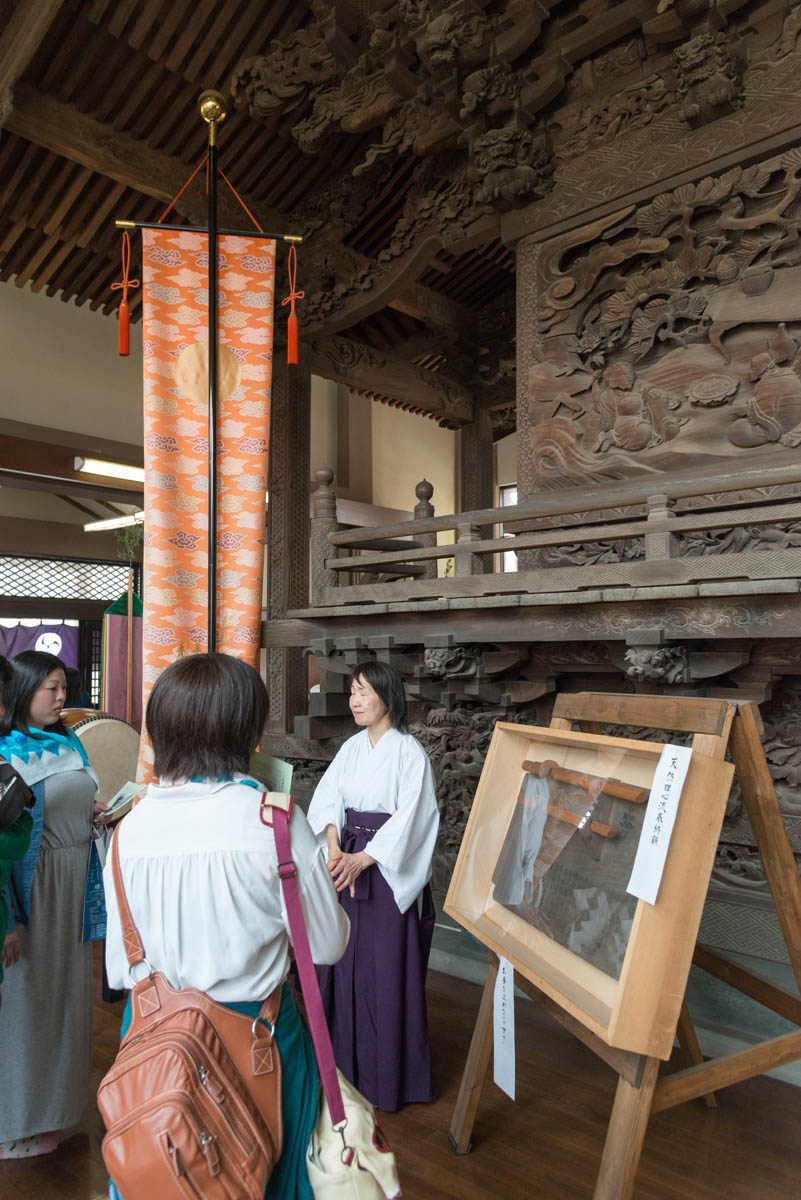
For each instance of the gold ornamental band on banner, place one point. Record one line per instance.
(176, 383)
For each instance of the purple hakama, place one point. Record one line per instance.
(374, 997)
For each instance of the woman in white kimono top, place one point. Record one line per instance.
(377, 809)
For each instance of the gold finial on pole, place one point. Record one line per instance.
(212, 109)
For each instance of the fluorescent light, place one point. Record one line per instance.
(115, 522)
(112, 470)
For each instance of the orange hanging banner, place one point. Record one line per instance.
(175, 304)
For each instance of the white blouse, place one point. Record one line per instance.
(395, 777)
(201, 875)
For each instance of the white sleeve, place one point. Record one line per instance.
(327, 804)
(327, 922)
(406, 841)
(116, 961)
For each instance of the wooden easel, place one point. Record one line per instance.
(716, 725)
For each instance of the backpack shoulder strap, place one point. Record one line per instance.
(271, 800)
(134, 950)
(308, 977)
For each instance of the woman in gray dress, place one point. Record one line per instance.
(46, 1015)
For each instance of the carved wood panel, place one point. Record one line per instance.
(664, 336)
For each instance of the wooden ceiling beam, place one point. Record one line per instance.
(76, 504)
(60, 128)
(22, 37)
(172, 20)
(435, 311)
(190, 31)
(45, 121)
(400, 381)
(41, 466)
(232, 27)
(145, 21)
(53, 263)
(68, 199)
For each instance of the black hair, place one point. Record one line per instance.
(5, 673)
(29, 670)
(388, 686)
(205, 717)
(74, 686)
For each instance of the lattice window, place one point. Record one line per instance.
(95, 653)
(63, 578)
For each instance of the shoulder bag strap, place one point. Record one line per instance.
(132, 941)
(308, 977)
(134, 950)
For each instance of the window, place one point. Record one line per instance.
(507, 497)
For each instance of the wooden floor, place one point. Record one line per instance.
(546, 1146)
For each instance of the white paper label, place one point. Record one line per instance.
(504, 1028)
(657, 827)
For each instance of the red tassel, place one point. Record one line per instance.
(124, 338)
(292, 339)
(292, 322)
(124, 334)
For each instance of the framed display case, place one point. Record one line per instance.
(544, 865)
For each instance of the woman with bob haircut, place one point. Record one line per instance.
(201, 875)
(46, 1015)
(377, 810)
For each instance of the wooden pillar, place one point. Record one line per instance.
(476, 489)
(288, 533)
(476, 463)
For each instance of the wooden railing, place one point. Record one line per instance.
(656, 510)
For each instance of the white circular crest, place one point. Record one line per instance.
(49, 642)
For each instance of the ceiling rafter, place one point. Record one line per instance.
(45, 121)
(22, 37)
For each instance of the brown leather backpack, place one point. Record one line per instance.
(192, 1103)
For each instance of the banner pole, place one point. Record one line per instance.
(212, 109)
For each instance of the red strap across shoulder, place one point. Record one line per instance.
(308, 977)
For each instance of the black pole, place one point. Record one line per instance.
(251, 233)
(212, 110)
(212, 606)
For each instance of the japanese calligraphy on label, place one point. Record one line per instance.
(504, 1028)
(657, 826)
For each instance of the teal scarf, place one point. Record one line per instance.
(42, 752)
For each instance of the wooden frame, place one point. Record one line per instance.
(639, 1011)
(716, 725)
